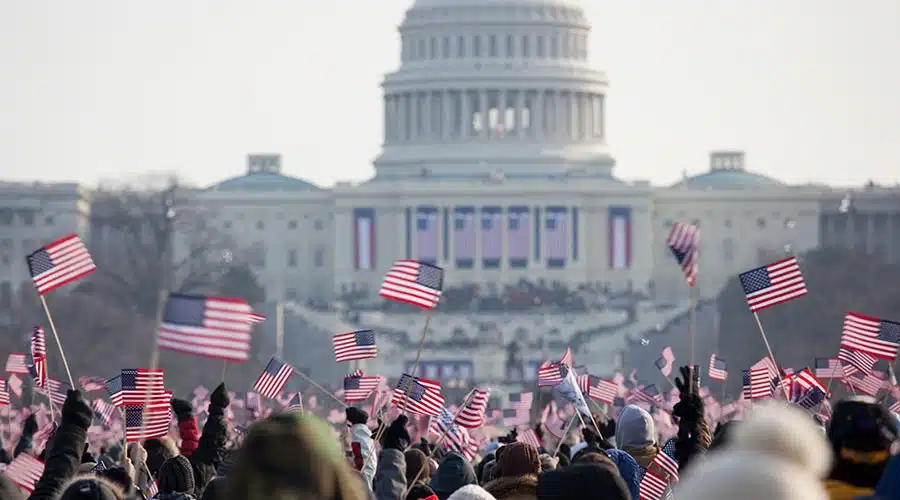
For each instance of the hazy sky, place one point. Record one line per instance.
(99, 89)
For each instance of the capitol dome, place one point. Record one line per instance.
(494, 87)
(728, 171)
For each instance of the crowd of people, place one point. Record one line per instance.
(776, 452)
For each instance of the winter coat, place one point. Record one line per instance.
(363, 447)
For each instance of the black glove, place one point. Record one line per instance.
(30, 426)
(219, 397)
(607, 427)
(539, 432)
(396, 437)
(356, 415)
(379, 424)
(86, 456)
(690, 406)
(182, 409)
(590, 437)
(510, 438)
(76, 411)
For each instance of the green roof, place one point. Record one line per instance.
(730, 179)
(264, 181)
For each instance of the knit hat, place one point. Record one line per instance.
(453, 473)
(513, 487)
(518, 459)
(471, 492)
(176, 476)
(91, 488)
(584, 481)
(419, 491)
(860, 434)
(748, 476)
(635, 428)
(416, 461)
(158, 451)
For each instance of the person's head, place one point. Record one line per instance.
(861, 433)
(582, 481)
(741, 475)
(417, 470)
(419, 492)
(522, 487)
(89, 487)
(453, 473)
(518, 459)
(292, 456)
(158, 451)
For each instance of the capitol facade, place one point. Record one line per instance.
(494, 166)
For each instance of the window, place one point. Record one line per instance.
(540, 50)
(5, 260)
(728, 223)
(260, 225)
(761, 223)
(526, 46)
(6, 243)
(476, 46)
(420, 53)
(319, 257)
(566, 42)
(554, 47)
(292, 224)
(290, 294)
(492, 46)
(257, 255)
(6, 294)
(461, 46)
(790, 223)
(445, 53)
(48, 220)
(696, 222)
(728, 249)
(292, 258)
(432, 48)
(227, 224)
(667, 224)
(29, 245)
(510, 46)
(317, 224)
(28, 217)
(6, 217)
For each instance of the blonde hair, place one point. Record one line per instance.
(292, 457)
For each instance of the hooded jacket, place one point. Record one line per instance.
(636, 434)
(453, 473)
(363, 448)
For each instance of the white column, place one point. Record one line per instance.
(589, 117)
(501, 110)
(520, 115)
(403, 117)
(415, 127)
(388, 122)
(483, 106)
(583, 117)
(538, 125)
(562, 123)
(572, 106)
(447, 112)
(601, 120)
(465, 118)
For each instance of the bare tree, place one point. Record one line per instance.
(154, 238)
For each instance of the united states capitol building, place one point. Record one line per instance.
(495, 166)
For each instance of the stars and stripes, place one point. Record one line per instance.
(826, 368)
(4, 392)
(103, 410)
(868, 384)
(471, 415)
(91, 384)
(665, 362)
(146, 422)
(653, 486)
(521, 400)
(418, 395)
(214, 327)
(295, 405)
(684, 242)
(718, 368)
(38, 343)
(648, 394)
(358, 387)
(551, 374)
(584, 382)
(255, 317)
(273, 378)
(760, 382)
(853, 361)
(873, 336)
(16, 363)
(456, 438)
(605, 391)
(38, 371)
(746, 388)
(137, 386)
(530, 437)
(57, 390)
(413, 282)
(59, 263)
(24, 471)
(773, 284)
(514, 417)
(354, 345)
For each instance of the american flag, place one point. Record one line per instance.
(653, 486)
(746, 387)
(91, 384)
(457, 438)
(4, 392)
(760, 383)
(684, 242)
(807, 380)
(551, 374)
(471, 416)
(649, 394)
(256, 317)
(867, 384)
(464, 235)
(667, 464)
(810, 399)
(295, 405)
(418, 395)
(415, 283)
(38, 372)
(556, 233)
(518, 236)
(514, 417)
(57, 390)
(38, 343)
(774, 284)
(15, 363)
(492, 236)
(25, 471)
(718, 369)
(666, 361)
(103, 410)
(427, 234)
(853, 361)
(359, 387)
(530, 437)
(605, 391)
(147, 422)
(135, 385)
(59, 263)
(273, 378)
(354, 345)
(584, 382)
(828, 368)
(214, 327)
(521, 400)
(873, 336)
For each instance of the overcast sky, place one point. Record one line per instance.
(101, 89)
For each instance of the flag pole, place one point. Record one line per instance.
(693, 321)
(412, 375)
(565, 433)
(318, 386)
(62, 354)
(771, 355)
